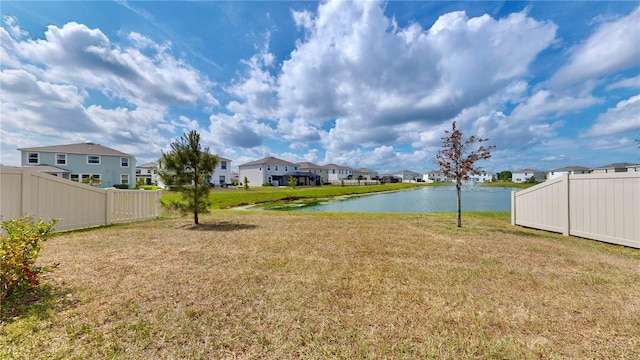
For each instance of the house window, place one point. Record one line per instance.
(91, 179)
(286, 168)
(137, 172)
(222, 179)
(93, 159)
(33, 158)
(61, 159)
(75, 177)
(124, 162)
(268, 167)
(124, 179)
(223, 165)
(276, 167)
(295, 168)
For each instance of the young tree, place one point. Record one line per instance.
(456, 159)
(246, 183)
(292, 181)
(188, 166)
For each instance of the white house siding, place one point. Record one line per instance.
(483, 177)
(262, 171)
(523, 176)
(435, 176)
(575, 170)
(222, 173)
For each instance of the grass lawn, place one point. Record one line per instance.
(258, 284)
(224, 198)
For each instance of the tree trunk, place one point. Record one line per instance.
(195, 217)
(458, 188)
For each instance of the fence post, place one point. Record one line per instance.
(513, 207)
(566, 206)
(109, 206)
(25, 198)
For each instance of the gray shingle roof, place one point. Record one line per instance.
(82, 148)
(269, 160)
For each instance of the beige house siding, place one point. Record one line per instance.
(602, 207)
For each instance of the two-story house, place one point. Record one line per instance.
(525, 175)
(336, 172)
(314, 169)
(265, 171)
(436, 176)
(482, 177)
(571, 170)
(221, 175)
(614, 168)
(80, 162)
(147, 173)
(407, 175)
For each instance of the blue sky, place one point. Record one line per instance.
(362, 84)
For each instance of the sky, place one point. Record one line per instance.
(364, 84)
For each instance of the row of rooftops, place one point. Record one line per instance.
(90, 148)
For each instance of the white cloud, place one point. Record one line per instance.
(622, 119)
(545, 103)
(86, 57)
(612, 47)
(359, 68)
(630, 83)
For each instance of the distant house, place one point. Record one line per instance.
(265, 171)
(367, 174)
(571, 170)
(314, 169)
(147, 173)
(221, 175)
(407, 175)
(482, 177)
(80, 162)
(614, 168)
(388, 178)
(436, 176)
(525, 175)
(336, 172)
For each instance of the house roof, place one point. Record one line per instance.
(149, 165)
(527, 171)
(406, 172)
(365, 170)
(307, 165)
(269, 160)
(49, 169)
(82, 148)
(615, 166)
(571, 168)
(334, 166)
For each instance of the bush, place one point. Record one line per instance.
(20, 243)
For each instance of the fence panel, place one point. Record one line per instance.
(26, 191)
(543, 206)
(604, 207)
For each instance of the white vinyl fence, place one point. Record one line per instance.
(604, 207)
(27, 192)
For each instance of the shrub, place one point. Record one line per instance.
(20, 243)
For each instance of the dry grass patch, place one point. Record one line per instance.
(293, 285)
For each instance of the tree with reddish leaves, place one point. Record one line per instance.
(457, 159)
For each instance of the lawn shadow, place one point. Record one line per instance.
(40, 302)
(219, 226)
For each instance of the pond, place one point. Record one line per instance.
(424, 199)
